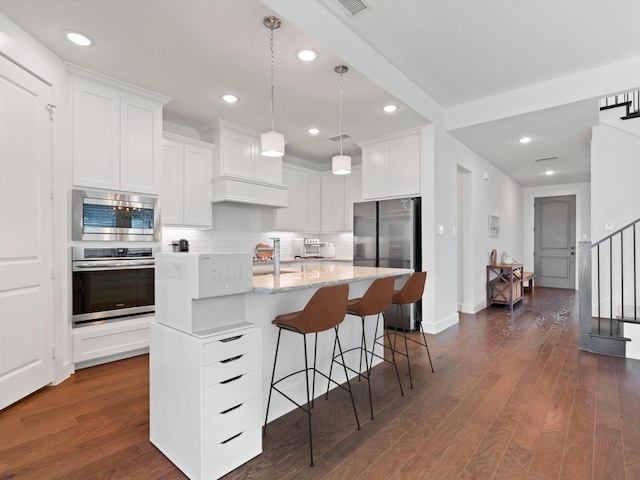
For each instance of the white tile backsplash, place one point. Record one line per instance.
(238, 228)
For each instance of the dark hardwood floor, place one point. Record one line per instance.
(511, 398)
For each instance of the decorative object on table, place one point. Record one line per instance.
(494, 226)
(494, 256)
(264, 250)
(506, 259)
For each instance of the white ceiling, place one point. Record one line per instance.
(455, 51)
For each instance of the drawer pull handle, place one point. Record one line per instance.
(231, 379)
(231, 339)
(231, 409)
(232, 359)
(229, 439)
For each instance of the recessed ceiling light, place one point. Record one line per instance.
(229, 98)
(390, 108)
(549, 172)
(307, 55)
(525, 139)
(313, 131)
(78, 38)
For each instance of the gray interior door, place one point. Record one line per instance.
(555, 241)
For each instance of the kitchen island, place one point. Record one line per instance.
(289, 292)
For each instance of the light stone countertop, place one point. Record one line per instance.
(320, 276)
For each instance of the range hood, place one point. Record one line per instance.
(240, 173)
(229, 188)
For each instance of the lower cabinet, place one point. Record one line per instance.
(95, 344)
(205, 398)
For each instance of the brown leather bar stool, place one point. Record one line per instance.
(325, 310)
(375, 301)
(410, 293)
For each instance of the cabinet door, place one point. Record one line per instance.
(95, 135)
(238, 151)
(197, 186)
(140, 143)
(375, 171)
(352, 194)
(294, 217)
(314, 204)
(404, 167)
(333, 203)
(172, 183)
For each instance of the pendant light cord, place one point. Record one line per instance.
(341, 73)
(272, 78)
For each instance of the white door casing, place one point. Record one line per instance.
(26, 234)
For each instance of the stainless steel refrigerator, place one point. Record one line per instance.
(387, 233)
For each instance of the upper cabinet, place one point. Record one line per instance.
(391, 166)
(240, 172)
(186, 182)
(116, 134)
(339, 192)
(303, 213)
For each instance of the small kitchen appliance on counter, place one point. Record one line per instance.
(327, 250)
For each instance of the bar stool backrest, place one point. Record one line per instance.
(326, 309)
(412, 290)
(376, 299)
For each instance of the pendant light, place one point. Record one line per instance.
(272, 142)
(341, 164)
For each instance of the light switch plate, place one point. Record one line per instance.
(440, 230)
(608, 227)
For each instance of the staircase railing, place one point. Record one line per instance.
(616, 280)
(630, 99)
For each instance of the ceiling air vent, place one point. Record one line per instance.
(337, 137)
(354, 7)
(545, 159)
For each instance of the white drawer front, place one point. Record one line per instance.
(222, 396)
(231, 346)
(225, 369)
(225, 425)
(223, 458)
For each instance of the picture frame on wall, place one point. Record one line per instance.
(494, 226)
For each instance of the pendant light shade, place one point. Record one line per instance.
(341, 164)
(272, 142)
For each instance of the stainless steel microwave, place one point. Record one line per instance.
(113, 216)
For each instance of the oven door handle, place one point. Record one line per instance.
(105, 265)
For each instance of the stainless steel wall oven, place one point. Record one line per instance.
(112, 283)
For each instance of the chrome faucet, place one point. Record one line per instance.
(276, 256)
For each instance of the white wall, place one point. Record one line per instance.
(582, 191)
(499, 196)
(21, 48)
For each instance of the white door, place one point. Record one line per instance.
(26, 325)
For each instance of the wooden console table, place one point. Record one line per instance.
(505, 284)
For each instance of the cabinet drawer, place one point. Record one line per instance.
(222, 396)
(223, 458)
(231, 367)
(230, 346)
(228, 423)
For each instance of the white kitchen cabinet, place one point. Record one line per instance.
(303, 213)
(333, 206)
(116, 134)
(339, 192)
(186, 182)
(240, 172)
(352, 194)
(204, 398)
(391, 166)
(94, 344)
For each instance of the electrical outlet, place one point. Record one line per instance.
(440, 230)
